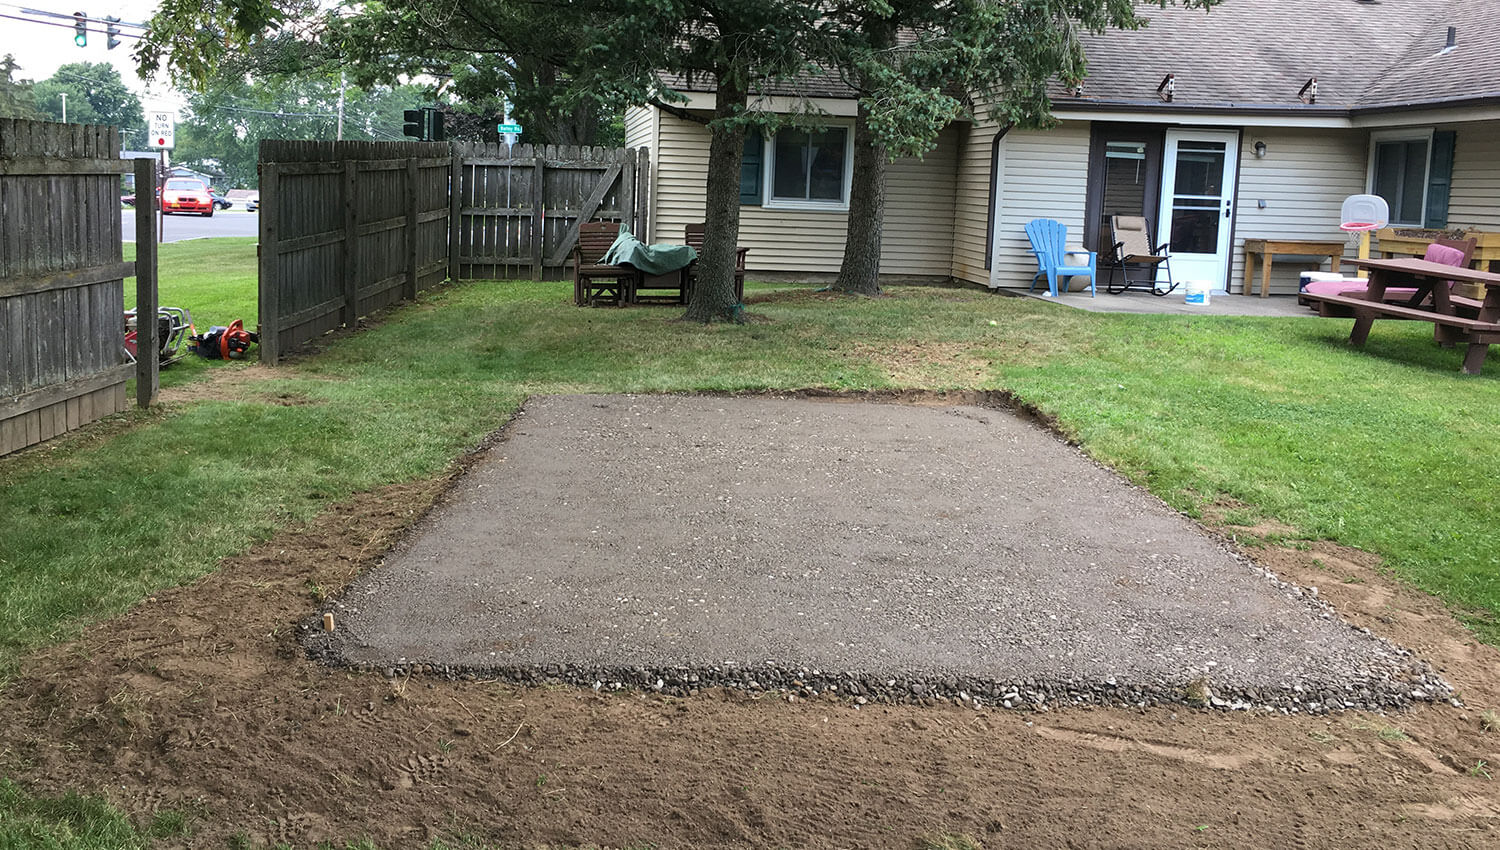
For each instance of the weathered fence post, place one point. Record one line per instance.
(351, 243)
(626, 158)
(413, 228)
(455, 197)
(538, 219)
(643, 193)
(270, 284)
(147, 346)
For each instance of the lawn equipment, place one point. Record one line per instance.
(173, 327)
(221, 343)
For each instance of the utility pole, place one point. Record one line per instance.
(340, 134)
(64, 96)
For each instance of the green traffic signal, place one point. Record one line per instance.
(80, 29)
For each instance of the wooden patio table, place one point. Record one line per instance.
(1268, 248)
(1442, 310)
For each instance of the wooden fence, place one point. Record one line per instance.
(62, 357)
(516, 209)
(345, 229)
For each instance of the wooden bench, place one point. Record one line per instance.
(693, 236)
(1267, 249)
(1449, 328)
(594, 282)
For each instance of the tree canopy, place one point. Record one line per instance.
(223, 125)
(96, 95)
(16, 97)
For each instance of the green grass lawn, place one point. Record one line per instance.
(1390, 449)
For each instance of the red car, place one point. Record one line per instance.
(187, 194)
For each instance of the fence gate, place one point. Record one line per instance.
(517, 209)
(345, 229)
(62, 357)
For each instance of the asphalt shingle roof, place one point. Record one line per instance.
(1259, 53)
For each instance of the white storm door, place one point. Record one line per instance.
(1197, 204)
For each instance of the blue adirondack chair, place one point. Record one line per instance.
(1049, 241)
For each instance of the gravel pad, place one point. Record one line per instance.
(883, 551)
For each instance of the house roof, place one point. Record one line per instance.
(1247, 54)
(1366, 55)
(814, 82)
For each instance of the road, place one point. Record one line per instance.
(231, 222)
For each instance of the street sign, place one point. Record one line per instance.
(163, 126)
(508, 128)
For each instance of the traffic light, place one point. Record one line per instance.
(80, 29)
(111, 32)
(425, 124)
(413, 126)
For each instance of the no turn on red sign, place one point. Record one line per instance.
(162, 127)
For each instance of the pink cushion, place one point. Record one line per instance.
(1444, 254)
(1336, 287)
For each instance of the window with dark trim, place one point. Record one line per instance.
(1413, 171)
(1400, 176)
(809, 169)
(750, 168)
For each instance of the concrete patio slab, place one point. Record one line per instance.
(1135, 301)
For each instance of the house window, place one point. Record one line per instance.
(1124, 178)
(810, 168)
(1398, 173)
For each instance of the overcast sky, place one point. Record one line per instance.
(40, 49)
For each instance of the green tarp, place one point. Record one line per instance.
(651, 259)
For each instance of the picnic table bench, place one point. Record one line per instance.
(1431, 303)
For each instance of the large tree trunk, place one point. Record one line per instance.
(713, 293)
(860, 271)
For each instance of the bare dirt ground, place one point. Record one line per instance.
(201, 699)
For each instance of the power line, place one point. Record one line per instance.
(67, 17)
(276, 114)
(70, 26)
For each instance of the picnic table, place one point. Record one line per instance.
(1455, 318)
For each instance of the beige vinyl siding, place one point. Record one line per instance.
(1304, 179)
(971, 204)
(641, 132)
(919, 199)
(640, 126)
(1044, 174)
(1475, 199)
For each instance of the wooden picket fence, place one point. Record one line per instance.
(345, 229)
(349, 227)
(516, 209)
(62, 356)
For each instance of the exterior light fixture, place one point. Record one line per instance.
(1260, 150)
